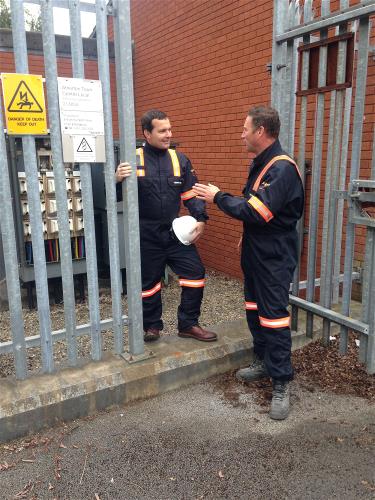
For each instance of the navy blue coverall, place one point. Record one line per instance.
(270, 208)
(165, 178)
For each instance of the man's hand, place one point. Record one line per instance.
(123, 171)
(199, 229)
(206, 193)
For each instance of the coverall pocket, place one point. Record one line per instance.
(144, 182)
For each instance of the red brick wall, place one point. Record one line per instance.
(204, 63)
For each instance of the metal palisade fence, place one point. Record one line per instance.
(319, 84)
(119, 11)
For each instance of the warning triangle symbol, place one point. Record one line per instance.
(84, 147)
(24, 100)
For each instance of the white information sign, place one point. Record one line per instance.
(82, 120)
(84, 148)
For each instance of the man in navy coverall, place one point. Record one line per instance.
(270, 208)
(165, 178)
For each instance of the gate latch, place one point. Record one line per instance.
(361, 196)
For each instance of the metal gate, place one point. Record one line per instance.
(319, 83)
(119, 11)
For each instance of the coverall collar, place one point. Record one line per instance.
(273, 150)
(153, 149)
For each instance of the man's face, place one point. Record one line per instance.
(160, 136)
(250, 136)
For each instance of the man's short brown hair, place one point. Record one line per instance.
(152, 114)
(267, 117)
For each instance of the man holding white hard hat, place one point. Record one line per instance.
(165, 178)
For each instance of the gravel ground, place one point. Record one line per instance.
(213, 440)
(223, 301)
(194, 443)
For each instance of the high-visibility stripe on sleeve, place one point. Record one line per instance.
(261, 208)
(192, 283)
(251, 306)
(140, 157)
(152, 291)
(269, 165)
(275, 323)
(140, 172)
(187, 195)
(175, 162)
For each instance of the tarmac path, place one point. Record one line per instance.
(196, 443)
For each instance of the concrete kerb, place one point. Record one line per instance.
(42, 400)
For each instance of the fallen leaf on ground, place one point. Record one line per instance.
(6, 466)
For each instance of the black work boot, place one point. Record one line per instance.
(255, 371)
(280, 400)
(151, 334)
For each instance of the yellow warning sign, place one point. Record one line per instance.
(24, 104)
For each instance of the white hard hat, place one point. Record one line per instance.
(183, 227)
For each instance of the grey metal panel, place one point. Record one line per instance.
(27, 273)
(21, 62)
(50, 65)
(86, 186)
(109, 169)
(130, 191)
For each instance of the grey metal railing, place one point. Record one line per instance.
(330, 154)
(18, 345)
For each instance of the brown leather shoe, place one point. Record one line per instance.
(151, 334)
(198, 333)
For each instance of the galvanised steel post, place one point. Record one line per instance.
(49, 51)
(340, 203)
(316, 173)
(288, 100)
(109, 169)
(86, 185)
(361, 78)
(326, 292)
(280, 9)
(368, 351)
(294, 79)
(31, 170)
(327, 191)
(307, 16)
(129, 188)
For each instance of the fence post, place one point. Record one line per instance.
(31, 170)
